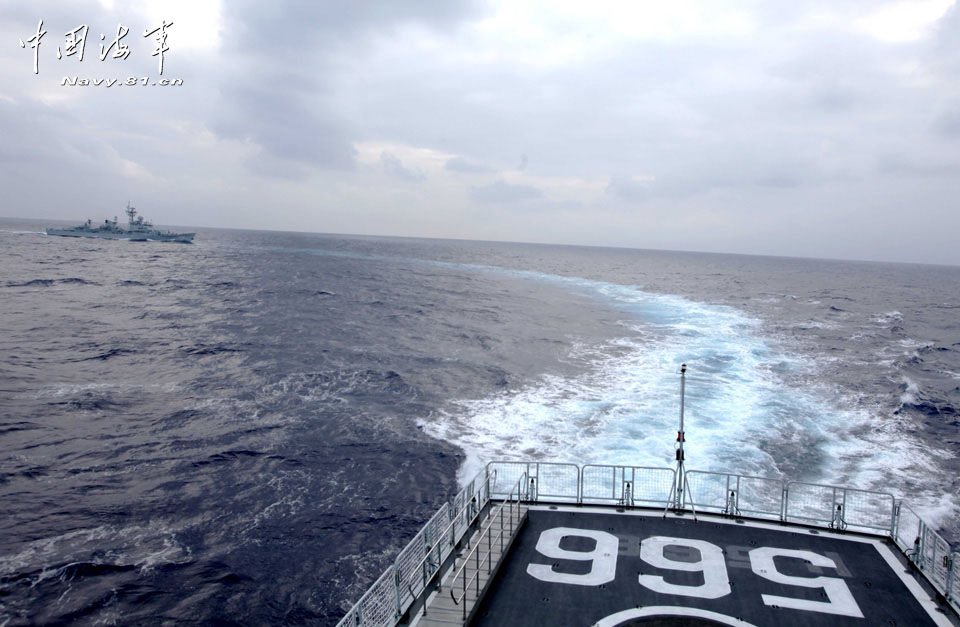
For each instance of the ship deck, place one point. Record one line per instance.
(575, 565)
(543, 543)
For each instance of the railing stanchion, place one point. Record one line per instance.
(951, 562)
(895, 521)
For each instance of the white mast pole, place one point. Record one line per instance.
(678, 491)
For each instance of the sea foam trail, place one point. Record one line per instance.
(752, 408)
(743, 414)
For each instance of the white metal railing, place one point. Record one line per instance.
(555, 482)
(396, 589)
(628, 486)
(375, 608)
(735, 495)
(419, 561)
(839, 508)
(930, 552)
(730, 494)
(435, 544)
(509, 509)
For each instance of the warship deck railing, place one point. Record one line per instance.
(508, 515)
(727, 494)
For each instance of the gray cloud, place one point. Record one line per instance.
(280, 96)
(502, 192)
(285, 122)
(293, 29)
(946, 49)
(626, 188)
(51, 166)
(394, 167)
(900, 165)
(948, 124)
(462, 164)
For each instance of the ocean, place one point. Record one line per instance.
(246, 430)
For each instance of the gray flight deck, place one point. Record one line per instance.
(542, 543)
(674, 570)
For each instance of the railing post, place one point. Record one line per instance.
(951, 576)
(579, 485)
(453, 529)
(921, 543)
(836, 520)
(397, 587)
(933, 558)
(785, 502)
(502, 534)
(895, 520)
(476, 572)
(489, 546)
(731, 508)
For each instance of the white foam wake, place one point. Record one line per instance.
(743, 414)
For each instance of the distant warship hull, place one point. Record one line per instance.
(138, 230)
(153, 236)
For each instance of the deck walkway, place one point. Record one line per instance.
(441, 610)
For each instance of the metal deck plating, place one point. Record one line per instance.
(590, 567)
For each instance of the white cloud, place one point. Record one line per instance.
(905, 21)
(196, 23)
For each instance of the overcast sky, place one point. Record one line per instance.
(813, 128)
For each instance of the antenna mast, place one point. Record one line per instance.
(678, 490)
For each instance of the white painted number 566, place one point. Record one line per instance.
(711, 565)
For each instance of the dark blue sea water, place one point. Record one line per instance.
(246, 430)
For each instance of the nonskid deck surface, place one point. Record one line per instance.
(577, 566)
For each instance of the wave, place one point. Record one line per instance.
(91, 403)
(209, 349)
(140, 546)
(888, 317)
(228, 456)
(936, 407)
(113, 352)
(913, 399)
(49, 282)
(909, 391)
(340, 385)
(34, 283)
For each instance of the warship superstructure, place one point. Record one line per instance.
(137, 229)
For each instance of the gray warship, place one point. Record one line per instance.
(138, 230)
